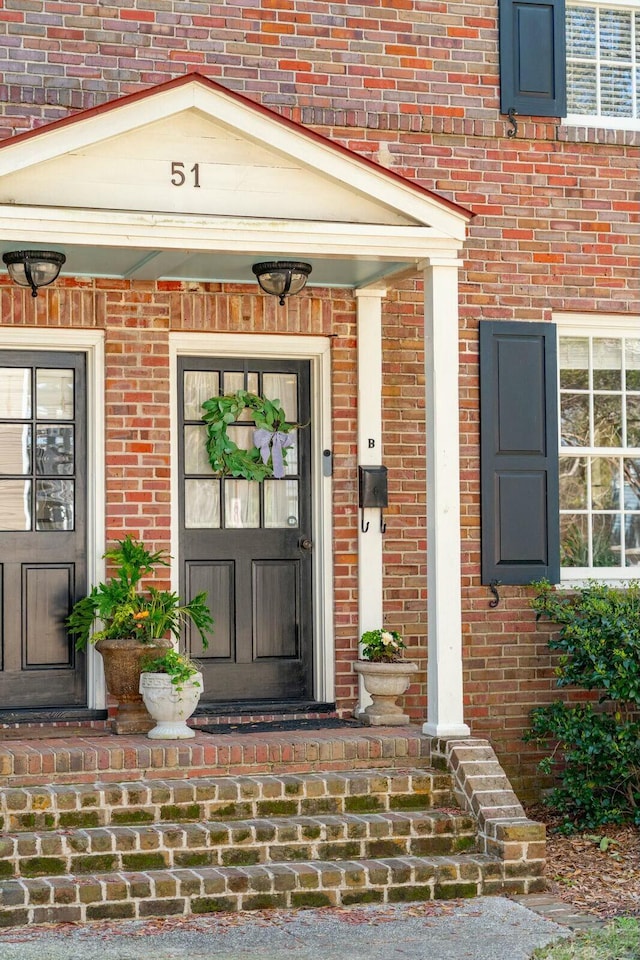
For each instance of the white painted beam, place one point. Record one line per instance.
(445, 717)
(194, 232)
(370, 608)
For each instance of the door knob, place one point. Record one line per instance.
(306, 544)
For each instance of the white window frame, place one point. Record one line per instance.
(596, 120)
(606, 326)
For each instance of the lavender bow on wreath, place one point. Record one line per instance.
(272, 443)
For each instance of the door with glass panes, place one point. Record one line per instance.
(247, 544)
(42, 526)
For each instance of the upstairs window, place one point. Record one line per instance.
(603, 62)
(578, 59)
(599, 454)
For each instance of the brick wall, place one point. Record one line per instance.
(413, 85)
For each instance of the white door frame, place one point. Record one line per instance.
(263, 346)
(91, 343)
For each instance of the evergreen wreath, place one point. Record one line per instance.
(225, 457)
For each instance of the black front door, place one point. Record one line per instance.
(42, 526)
(247, 543)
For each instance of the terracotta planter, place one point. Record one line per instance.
(122, 668)
(169, 705)
(385, 682)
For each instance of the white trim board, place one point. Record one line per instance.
(318, 351)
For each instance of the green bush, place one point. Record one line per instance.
(594, 747)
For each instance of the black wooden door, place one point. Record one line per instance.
(42, 526)
(247, 543)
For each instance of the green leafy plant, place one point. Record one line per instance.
(225, 457)
(178, 666)
(382, 646)
(125, 608)
(594, 747)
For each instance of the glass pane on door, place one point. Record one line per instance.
(15, 505)
(16, 393)
(15, 448)
(199, 385)
(280, 503)
(54, 450)
(196, 459)
(283, 387)
(54, 394)
(201, 504)
(54, 504)
(241, 503)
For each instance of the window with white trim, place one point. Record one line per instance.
(600, 453)
(603, 62)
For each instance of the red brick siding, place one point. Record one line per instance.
(413, 85)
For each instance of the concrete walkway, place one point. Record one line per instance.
(487, 928)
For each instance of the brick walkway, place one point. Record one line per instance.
(551, 908)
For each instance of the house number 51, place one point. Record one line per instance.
(179, 176)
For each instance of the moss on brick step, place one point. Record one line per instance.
(131, 817)
(277, 808)
(407, 801)
(362, 804)
(178, 811)
(213, 904)
(43, 867)
(80, 819)
(144, 861)
(98, 863)
(311, 898)
(452, 891)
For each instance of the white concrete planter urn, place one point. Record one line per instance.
(170, 705)
(385, 682)
(386, 676)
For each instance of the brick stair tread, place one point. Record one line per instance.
(124, 894)
(67, 761)
(203, 798)
(160, 845)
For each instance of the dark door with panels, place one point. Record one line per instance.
(248, 543)
(42, 526)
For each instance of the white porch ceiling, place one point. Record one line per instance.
(130, 263)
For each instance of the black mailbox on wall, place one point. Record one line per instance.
(373, 492)
(372, 486)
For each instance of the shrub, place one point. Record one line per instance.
(595, 747)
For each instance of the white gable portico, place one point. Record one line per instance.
(191, 182)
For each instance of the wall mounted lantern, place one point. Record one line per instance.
(282, 278)
(33, 268)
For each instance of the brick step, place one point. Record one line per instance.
(84, 805)
(210, 889)
(236, 843)
(110, 758)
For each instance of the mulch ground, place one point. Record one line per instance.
(598, 872)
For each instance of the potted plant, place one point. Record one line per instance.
(170, 686)
(386, 676)
(134, 620)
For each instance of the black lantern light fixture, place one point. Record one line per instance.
(33, 268)
(282, 278)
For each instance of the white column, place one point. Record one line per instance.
(444, 609)
(369, 307)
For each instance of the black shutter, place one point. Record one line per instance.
(519, 452)
(533, 57)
